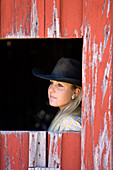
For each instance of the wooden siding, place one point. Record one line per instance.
(97, 66)
(41, 19)
(39, 150)
(97, 102)
(20, 19)
(14, 151)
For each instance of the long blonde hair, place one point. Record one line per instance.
(72, 109)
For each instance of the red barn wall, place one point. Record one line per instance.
(52, 18)
(41, 18)
(97, 102)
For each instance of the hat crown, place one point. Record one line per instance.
(68, 67)
(66, 70)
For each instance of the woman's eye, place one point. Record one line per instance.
(60, 85)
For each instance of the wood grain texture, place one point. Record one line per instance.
(54, 149)
(22, 19)
(14, 150)
(97, 105)
(71, 17)
(41, 19)
(43, 168)
(37, 149)
(71, 151)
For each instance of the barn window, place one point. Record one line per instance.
(24, 101)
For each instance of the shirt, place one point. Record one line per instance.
(70, 123)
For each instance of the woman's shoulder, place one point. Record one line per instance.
(70, 123)
(72, 118)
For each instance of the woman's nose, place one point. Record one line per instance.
(52, 88)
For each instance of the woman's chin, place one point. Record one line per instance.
(52, 104)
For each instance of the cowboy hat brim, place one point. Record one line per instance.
(38, 73)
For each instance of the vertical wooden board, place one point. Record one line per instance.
(71, 151)
(14, 150)
(112, 89)
(15, 21)
(37, 149)
(43, 168)
(37, 18)
(22, 19)
(5, 17)
(97, 88)
(54, 149)
(71, 18)
(52, 18)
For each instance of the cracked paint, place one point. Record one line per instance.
(54, 157)
(14, 150)
(97, 74)
(35, 20)
(53, 31)
(104, 142)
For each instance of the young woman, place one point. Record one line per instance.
(65, 92)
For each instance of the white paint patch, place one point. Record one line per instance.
(53, 159)
(87, 38)
(35, 23)
(108, 8)
(105, 79)
(94, 78)
(37, 148)
(104, 143)
(100, 55)
(53, 31)
(83, 134)
(75, 33)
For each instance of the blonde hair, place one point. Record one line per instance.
(72, 109)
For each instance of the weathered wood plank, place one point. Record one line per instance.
(52, 18)
(71, 18)
(37, 149)
(22, 19)
(54, 149)
(97, 111)
(43, 168)
(63, 18)
(41, 18)
(37, 19)
(14, 150)
(71, 151)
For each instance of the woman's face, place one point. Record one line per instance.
(60, 93)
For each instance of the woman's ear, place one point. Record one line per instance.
(77, 92)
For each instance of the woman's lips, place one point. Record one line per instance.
(52, 97)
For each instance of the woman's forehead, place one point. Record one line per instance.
(65, 83)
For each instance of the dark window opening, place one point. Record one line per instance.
(23, 97)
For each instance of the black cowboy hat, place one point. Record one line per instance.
(66, 70)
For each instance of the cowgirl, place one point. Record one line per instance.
(65, 92)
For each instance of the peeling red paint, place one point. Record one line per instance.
(71, 18)
(28, 150)
(97, 85)
(52, 18)
(22, 19)
(14, 150)
(37, 149)
(54, 149)
(41, 19)
(37, 18)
